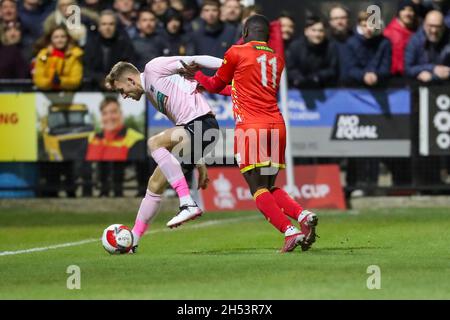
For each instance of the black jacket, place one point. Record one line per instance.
(12, 64)
(312, 66)
(179, 44)
(213, 41)
(101, 54)
(148, 48)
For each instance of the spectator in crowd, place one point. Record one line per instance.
(177, 41)
(246, 13)
(11, 35)
(369, 54)
(58, 64)
(443, 6)
(287, 30)
(32, 15)
(231, 12)
(12, 63)
(427, 56)
(8, 11)
(96, 5)
(275, 34)
(191, 22)
(126, 16)
(399, 31)
(10, 22)
(427, 59)
(63, 15)
(177, 5)
(214, 37)
(113, 146)
(148, 44)
(369, 63)
(250, 11)
(421, 10)
(312, 61)
(340, 32)
(105, 48)
(160, 7)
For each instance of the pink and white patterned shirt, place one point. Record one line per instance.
(172, 94)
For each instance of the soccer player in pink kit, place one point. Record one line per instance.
(179, 99)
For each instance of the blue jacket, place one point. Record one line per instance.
(368, 55)
(32, 21)
(341, 45)
(421, 55)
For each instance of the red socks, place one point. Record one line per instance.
(284, 201)
(267, 204)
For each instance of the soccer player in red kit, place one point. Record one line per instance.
(254, 70)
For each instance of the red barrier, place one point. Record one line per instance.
(317, 186)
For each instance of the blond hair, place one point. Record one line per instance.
(119, 70)
(363, 16)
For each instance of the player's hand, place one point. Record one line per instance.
(188, 71)
(200, 88)
(425, 76)
(203, 179)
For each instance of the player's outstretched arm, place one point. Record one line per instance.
(204, 61)
(191, 64)
(211, 84)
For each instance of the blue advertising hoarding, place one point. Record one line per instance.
(332, 122)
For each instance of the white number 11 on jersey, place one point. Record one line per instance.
(262, 60)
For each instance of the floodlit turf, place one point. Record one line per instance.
(230, 256)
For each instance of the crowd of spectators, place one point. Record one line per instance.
(328, 51)
(62, 49)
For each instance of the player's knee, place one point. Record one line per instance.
(258, 190)
(153, 143)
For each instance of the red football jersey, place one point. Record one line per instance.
(255, 71)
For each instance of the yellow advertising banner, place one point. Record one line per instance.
(18, 133)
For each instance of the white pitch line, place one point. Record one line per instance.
(79, 243)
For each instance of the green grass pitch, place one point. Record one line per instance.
(229, 256)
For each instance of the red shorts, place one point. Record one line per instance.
(260, 145)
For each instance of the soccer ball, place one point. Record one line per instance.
(117, 239)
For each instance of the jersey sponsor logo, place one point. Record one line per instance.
(263, 48)
(161, 101)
